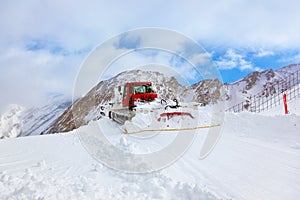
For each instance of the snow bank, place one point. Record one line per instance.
(59, 168)
(33, 185)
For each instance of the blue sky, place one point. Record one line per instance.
(44, 43)
(235, 63)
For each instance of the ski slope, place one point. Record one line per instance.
(257, 157)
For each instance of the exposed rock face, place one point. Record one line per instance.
(251, 80)
(208, 91)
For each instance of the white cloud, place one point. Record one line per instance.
(291, 59)
(264, 53)
(232, 60)
(154, 60)
(26, 77)
(258, 69)
(201, 58)
(138, 48)
(246, 67)
(297, 58)
(76, 26)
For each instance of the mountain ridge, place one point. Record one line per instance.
(58, 117)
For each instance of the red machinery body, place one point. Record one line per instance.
(134, 91)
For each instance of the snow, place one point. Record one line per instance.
(150, 117)
(11, 122)
(57, 167)
(238, 91)
(21, 121)
(293, 108)
(257, 157)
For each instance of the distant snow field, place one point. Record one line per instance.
(257, 157)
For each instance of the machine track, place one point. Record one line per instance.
(120, 115)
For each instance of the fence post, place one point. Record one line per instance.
(285, 104)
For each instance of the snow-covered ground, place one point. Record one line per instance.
(257, 157)
(293, 108)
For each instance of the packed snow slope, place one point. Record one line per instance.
(257, 157)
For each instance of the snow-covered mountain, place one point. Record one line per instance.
(57, 115)
(204, 92)
(21, 121)
(264, 83)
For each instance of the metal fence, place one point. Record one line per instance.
(272, 95)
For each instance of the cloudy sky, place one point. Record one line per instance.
(44, 42)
